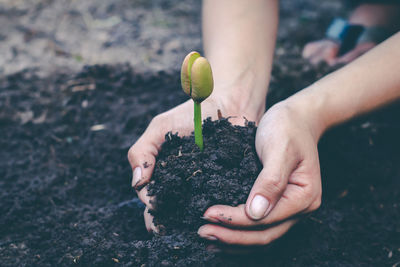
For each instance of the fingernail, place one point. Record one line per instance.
(209, 219)
(205, 236)
(258, 207)
(155, 229)
(210, 237)
(137, 175)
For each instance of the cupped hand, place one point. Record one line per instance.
(142, 155)
(288, 185)
(327, 51)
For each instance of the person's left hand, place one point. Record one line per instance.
(358, 51)
(327, 51)
(288, 185)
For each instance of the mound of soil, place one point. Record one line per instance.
(187, 181)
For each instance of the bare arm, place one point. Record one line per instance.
(369, 82)
(239, 40)
(286, 141)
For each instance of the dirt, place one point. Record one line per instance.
(150, 35)
(63, 34)
(187, 181)
(65, 195)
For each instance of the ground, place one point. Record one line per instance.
(65, 129)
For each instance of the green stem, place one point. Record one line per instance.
(198, 133)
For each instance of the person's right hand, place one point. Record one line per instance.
(142, 155)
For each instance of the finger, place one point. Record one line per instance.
(316, 58)
(272, 180)
(310, 49)
(294, 201)
(355, 53)
(142, 155)
(144, 197)
(148, 220)
(244, 237)
(235, 249)
(327, 51)
(327, 54)
(317, 48)
(142, 161)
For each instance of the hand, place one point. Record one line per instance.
(326, 50)
(143, 153)
(322, 50)
(359, 50)
(288, 185)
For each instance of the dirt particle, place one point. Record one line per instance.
(343, 194)
(146, 165)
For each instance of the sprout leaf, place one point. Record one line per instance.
(197, 82)
(202, 79)
(186, 72)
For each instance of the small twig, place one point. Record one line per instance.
(219, 114)
(316, 220)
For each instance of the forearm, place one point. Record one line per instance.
(239, 39)
(369, 82)
(372, 15)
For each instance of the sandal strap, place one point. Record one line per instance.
(337, 29)
(374, 34)
(349, 35)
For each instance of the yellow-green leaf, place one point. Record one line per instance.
(186, 71)
(202, 79)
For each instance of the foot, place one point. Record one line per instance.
(367, 15)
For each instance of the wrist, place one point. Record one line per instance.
(309, 107)
(240, 102)
(244, 95)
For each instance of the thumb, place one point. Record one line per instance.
(142, 160)
(142, 156)
(330, 54)
(270, 183)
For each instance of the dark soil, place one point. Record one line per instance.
(65, 197)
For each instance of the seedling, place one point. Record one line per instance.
(197, 82)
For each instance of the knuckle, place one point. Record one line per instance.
(316, 203)
(274, 184)
(312, 44)
(156, 120)
(309, 192)
(307, 48)
(159, 124)
(270, 188)
(312, 191)
(266, 239)
(131, 153)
